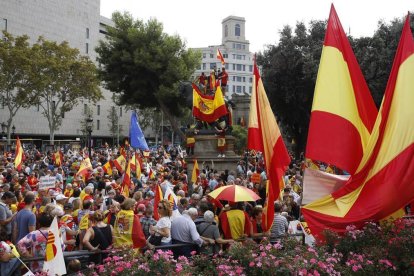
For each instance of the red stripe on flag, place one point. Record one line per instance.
(331, 138)
(218, 112)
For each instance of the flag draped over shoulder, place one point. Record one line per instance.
(264, 135)
(84, 167)
(54, 262)
(384, 179)
(343, 111)
(136, 136)
(208, 108)
(220, 56)
(196, 172)
(18, 160)
(128, 231)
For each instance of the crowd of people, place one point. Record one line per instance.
(94, 213)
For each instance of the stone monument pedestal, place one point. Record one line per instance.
(205, 151)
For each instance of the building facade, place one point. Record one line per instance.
(80, 24)
(238, 64)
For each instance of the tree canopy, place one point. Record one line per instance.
(290, 70)
(144, 66)
(63, 78)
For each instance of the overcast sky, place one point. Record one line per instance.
(199, 22)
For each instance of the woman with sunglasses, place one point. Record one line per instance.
(163, 226)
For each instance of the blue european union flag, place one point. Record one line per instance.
(136, 136)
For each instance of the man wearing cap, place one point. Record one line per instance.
(6, 215)
(60, 200)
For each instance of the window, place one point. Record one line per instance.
(238, 46)
(98, 111)
(226, 31)
(234, 89)
(120, 111)
(250, 79)
(211, 56)
(204, 55)
(87, 33)
(98, 124)
(238, 89)
(244, 67)
(3, 25)
(243, 47)
(237, 30)
(239, 67)
(244, 89)
(225, 55)
(204, 66)
(87, 48)
(234, 78)
(212, 66)
(85, 109)
(227, 66)
(244, 79)
(239, 79)
(250, 90)
(251, 68)
(234, 66)
(234, 45)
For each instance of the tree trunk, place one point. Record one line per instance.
(52, 135)
(170, 117)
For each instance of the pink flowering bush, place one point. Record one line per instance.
(373, 250)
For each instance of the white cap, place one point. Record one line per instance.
(60, 197)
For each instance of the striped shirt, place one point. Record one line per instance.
(279, 227)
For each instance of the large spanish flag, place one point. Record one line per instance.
(264, 135)
(128, 231)
(18, 160)
(343, 111)
(208, 108)
(384, 180)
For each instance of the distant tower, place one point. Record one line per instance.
(233, 33)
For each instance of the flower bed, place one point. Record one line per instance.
(373, 250)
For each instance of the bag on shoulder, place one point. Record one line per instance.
(155, 240)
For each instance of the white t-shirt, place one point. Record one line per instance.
(164, 222)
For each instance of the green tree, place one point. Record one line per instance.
(144, 66)
(289, 73)
(15, 75)
(240, 134)
(64, 78)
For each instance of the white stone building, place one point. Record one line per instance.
(80, 24)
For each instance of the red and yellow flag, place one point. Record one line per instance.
(136, 165)
(220, 56)
(128, 231)
(108, 167)
(84, 167)
(126, 181)
(196, 172)
(18, 160)
(384, 180)
(343, 111)
(264, 135)
(58, 158)
(208, 108)
(157, 198)
(120, 163)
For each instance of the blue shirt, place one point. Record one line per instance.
(24, 219)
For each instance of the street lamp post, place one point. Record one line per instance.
(13, 131)
(3, 135)
(89, 125)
